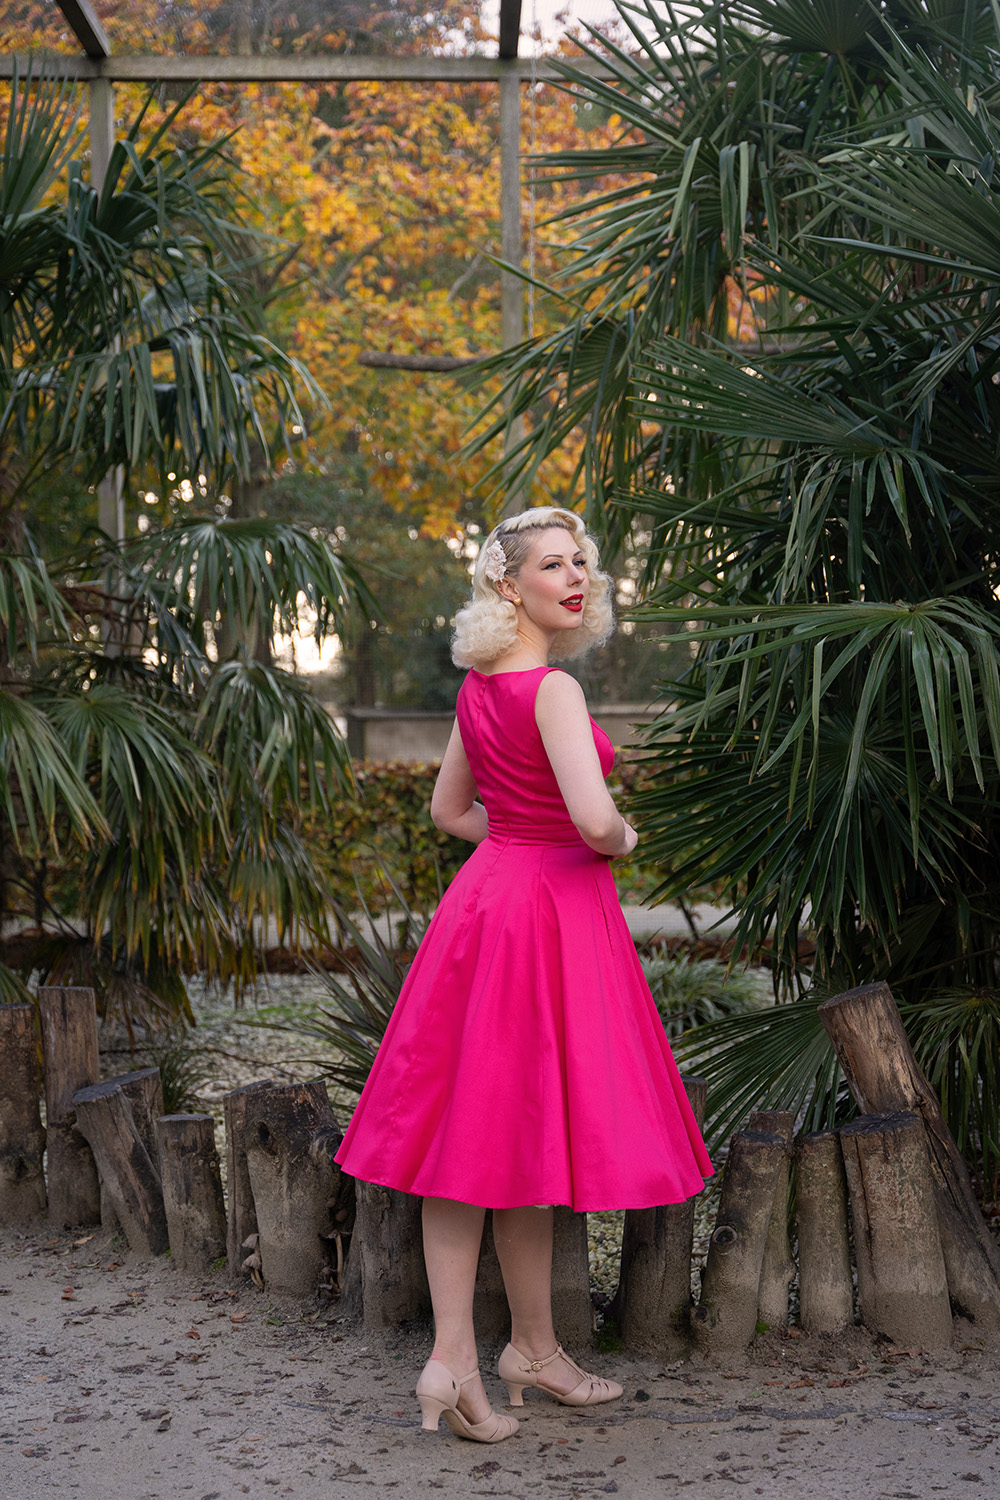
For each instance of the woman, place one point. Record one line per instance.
(525, 1064)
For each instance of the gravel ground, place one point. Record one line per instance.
(129, 1379)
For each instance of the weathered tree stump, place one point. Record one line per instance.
(104, 1117)
(69, 1046)
(777, 1270)
(192, 1190)
(902, 1283)
(291, 1136)
(388, 1245)
(22, 1135)
(241, 1220)
(725, 1319)
(490, 1311)
(826, 1290)
(572, 1309)
(144, 1092)
(652, 1306)
(878, 1062)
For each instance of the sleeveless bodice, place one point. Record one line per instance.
(496, 717)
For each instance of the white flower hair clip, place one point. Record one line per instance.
(494, 562)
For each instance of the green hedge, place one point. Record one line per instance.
(388, 825)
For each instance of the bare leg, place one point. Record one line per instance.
(523, 1237)
(453, 1233)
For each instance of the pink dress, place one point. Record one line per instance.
(525, 1062)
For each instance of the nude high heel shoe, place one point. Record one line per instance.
(517, 1371)
(438, 1392)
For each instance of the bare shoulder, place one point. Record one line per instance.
(559, 694)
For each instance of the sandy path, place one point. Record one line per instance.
(129, 1381)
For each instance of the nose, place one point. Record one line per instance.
(577, 572)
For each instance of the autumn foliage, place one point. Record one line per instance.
(386, 197)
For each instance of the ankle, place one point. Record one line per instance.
(459, 1358)
(535, 1346)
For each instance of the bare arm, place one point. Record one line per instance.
(564, 724)
(454, 808)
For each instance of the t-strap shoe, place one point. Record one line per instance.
(517, 1371)
(438, 1392)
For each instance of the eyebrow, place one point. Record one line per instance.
(559, 555)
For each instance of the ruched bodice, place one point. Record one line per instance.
(496, 716)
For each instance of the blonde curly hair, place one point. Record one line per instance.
(486, 627)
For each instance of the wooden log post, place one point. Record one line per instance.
(144, 1092)
(104, 1117)
(878, 1062)
(290, 1136)
(777, 1270)
(652, 1306)
(490, 1311)
(725, 1320)
(241, 1220)
(572, 1308)
(192, 1190)
(902, 1283)
(22, 1135)
(69, 1046)
(388, 1245)
(826, 1289)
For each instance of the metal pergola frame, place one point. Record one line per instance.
(100, 69)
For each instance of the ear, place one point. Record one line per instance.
(507, 589)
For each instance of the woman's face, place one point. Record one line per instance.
(552, 584)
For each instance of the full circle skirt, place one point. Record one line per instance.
(525, 1062)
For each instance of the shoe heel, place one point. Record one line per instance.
(431, 1408)
(515, 1394)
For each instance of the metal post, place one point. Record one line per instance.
(511, 246)
(102, 129)
(111, 490)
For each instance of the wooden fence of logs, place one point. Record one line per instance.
(892, 1184)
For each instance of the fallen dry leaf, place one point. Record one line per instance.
(68, 1294)
(85, 1241)
(192, 1333)
(237, 1317)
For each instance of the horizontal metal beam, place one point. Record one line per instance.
(335, 68)
(87, 28)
